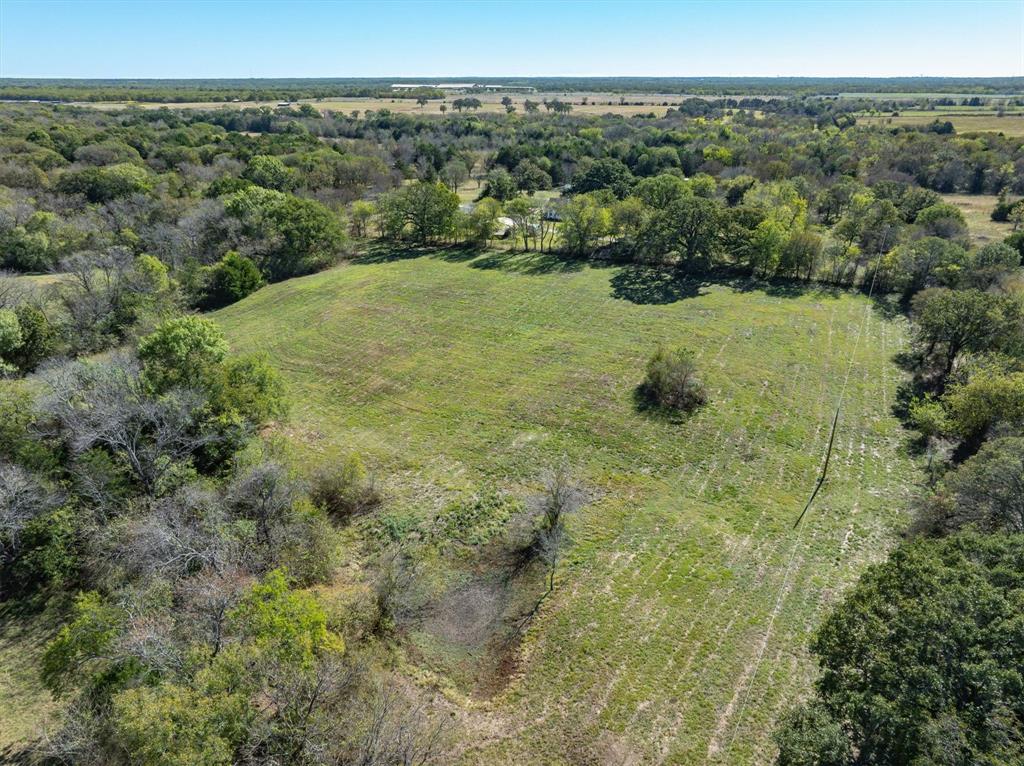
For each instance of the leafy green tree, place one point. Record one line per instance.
(25, 249)
(872, 224)
(483, 220)
(690, 230)
(181, 352)
(232, 278)
(291, 235)
(269, 172)
(531, 177)
(942, 220)
(287, 624)
(107, 183)
(988, 398)
(801, 254)
(607, 173)
(923, 263)
(922, 662)
(360, 215)
(183, 725)
(585, 221)
(782, 203)
(766, 246)
(661, 190)
(955, 321)
(808, 735)
(986, 491)
(10, 337)
(629, 216)
(1016, 241)
(672, 381)
(524, 213)
(989, 264)
(249, 387)
(39, 338)
(455, 173)
(81, 655)
(426, 210)
(500, 185)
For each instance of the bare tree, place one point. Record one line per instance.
(22, 498)
(207, 599)
(264, 494)
(398, 731)
(12, 291)
(394, 588)
(561, 496)
(92, 290)
(307, 713)
(178, 536)
(106, 405)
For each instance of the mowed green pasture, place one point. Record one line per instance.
(1010, 124)
(678, 629)
(977, 210)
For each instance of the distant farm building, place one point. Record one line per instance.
(462, 87)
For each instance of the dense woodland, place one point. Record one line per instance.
(137, 490)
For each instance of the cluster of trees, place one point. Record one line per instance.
(923, 661)
(135, 479)
(192, 639)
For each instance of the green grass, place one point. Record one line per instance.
(977, 210)
(24, 703)
(452, 376)
(1011, 124)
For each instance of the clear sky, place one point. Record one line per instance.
(246, 38)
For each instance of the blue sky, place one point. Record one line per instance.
(181, 38)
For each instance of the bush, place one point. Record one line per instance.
(232, 278)
(345, 491)
(672, 381)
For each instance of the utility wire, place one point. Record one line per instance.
(797, 526)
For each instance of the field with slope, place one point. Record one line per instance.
(678, 627)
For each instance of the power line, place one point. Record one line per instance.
(797, 526)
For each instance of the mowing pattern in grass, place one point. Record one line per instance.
(977, 210)
(451, 376)
(1008, 124)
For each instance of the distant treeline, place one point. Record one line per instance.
(179, 91)
(184, 91)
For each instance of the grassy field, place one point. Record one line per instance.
(977, 210)
(678, 628)
(597, 103)
(987, 122)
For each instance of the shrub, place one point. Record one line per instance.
(672, 381)
(344, 491)
(232, 278)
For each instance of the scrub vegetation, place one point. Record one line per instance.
(486, 430)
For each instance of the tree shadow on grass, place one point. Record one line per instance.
(783, 288)
(889, 306)
(653, 285)
(532, 263)
(388, 252)
(645, 404)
